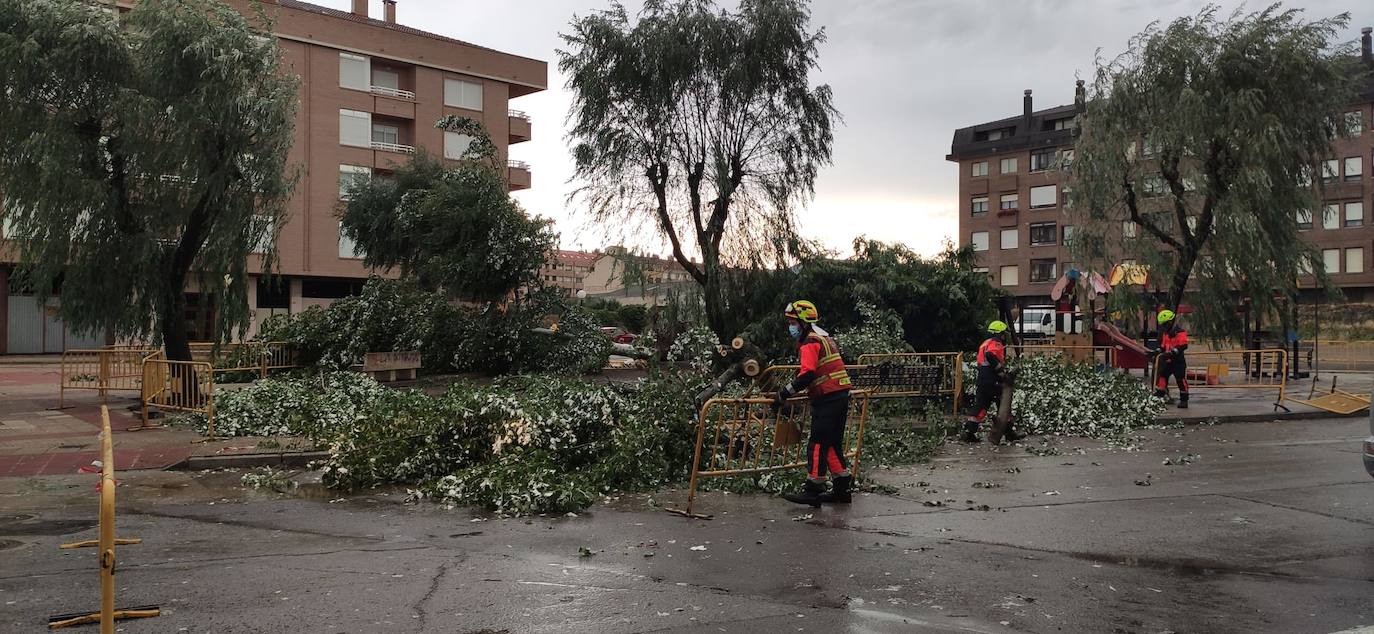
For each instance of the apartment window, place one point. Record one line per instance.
(980, 269)
(355, 71)
(386, 79)
(993, 135)
(1331, 217)
(979, 205)
(1354, 168)
(1154, 186)
(1067, 194)
(1043, 233)
(1065, 123)
(1331, 260)
(979, 240)
(1011, 238)
(456, 145)
(1066, 159)
(1010, 275)
(1008, 165)
(462, 94)
(1043, 196)
(1068, 235)
(1042, 270)
(1354, 214)
(1130, 229)
(347, 249)
(355, 128)
(1354, 123)
(980, 168)
(1042, 160)
(1010, 201)
(1354, 260)
(1304, 217)
(385, 133)
(1149, 149)
(349, 175)
(1331, 170)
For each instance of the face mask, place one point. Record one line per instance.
(794, 330)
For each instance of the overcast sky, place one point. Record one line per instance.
(905, 74)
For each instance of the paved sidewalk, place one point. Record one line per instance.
(36, 438)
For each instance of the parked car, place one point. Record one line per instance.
(1369, 446)
(618, 334)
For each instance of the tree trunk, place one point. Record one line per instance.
(175, 339)
(714, 297)
(1184, 272)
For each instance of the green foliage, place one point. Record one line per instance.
(1078, 399)
(941, 302)
(633, 318)
(141, 155)
(669, 129)
(878, 331)
(453, 229)
(393, 315)
(1206, 133)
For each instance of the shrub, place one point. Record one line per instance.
(879, 331)
(1076, 399)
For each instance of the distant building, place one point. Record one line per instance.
(370, 92)
(567, 270)
(1011, 204)
(633, 279)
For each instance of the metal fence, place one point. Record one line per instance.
(1264, 369)
(259, 357)
(887, 375)
(105, 370)
(182, 386)
(748, 436)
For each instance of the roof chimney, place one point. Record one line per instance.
(1364, 46)
(1026, 114)
(360, 7)
(1080, 96)
(389, 10)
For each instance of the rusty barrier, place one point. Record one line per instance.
(182, 386)
(888, 375)
(1259, 369)
(107, 541)
(748, 436)
(1100, 355)
(105, 370)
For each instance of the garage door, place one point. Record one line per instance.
(36, 329)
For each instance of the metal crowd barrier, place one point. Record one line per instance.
(105, 370)
(106, 543)
(1262, 369)
(888, 375)
(251, 356)
(182, 386)
(747, 436)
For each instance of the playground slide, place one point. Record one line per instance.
(1130, 354)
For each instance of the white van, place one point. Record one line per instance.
(1035, 321)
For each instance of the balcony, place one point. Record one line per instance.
(519, 126)
(393, 147)
(518, 175)
(392, 92)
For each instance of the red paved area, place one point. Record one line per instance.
(38, 439)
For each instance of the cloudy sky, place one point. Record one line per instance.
(905, 73)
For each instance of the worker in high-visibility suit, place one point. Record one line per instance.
(992, 360)
(823, 376)
(1173, 341)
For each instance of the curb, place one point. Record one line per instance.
(278, 459)
(1257, 418)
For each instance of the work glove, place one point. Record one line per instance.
(781, 397)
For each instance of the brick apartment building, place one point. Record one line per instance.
(568, 270)
(370, 92)
(1011, 200)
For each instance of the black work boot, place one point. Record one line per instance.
(839, 494)
(1011, 436)
(970, 432)
(1183, 401)
(810, 494)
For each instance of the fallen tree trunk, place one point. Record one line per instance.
(622, 349)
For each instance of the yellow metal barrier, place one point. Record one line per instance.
(251, 356)
(106, 543)
(747, 436)
(183, 386)
(1103, 355)
(887, 375)
(1234, 369)
(1333, 354)
(104, 370)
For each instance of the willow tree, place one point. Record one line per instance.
(1196, 150)
(142, 155)
(451, 228)
(703, 123)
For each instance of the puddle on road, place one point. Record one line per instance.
(21, 525)
(1173, 566)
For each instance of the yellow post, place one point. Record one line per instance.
(107, 524)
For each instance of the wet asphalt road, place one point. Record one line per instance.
(1268, 528)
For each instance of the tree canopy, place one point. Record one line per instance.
(455, 229)
(703, 124)
(1196, 153)
(142, 154)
